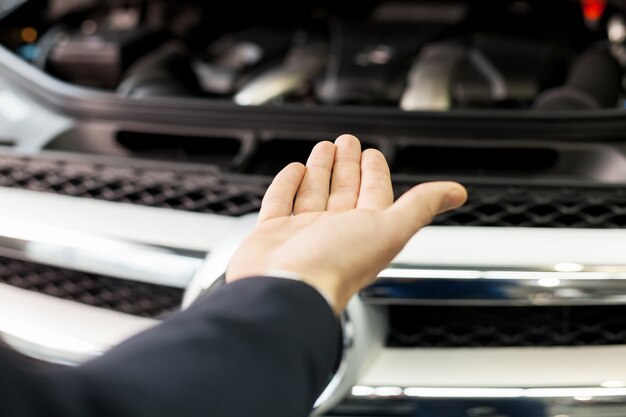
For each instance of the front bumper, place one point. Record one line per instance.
(410, 380)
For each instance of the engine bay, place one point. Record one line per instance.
(404, 55)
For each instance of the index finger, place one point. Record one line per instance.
(279, 197)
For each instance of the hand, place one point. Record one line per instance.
(334, 222)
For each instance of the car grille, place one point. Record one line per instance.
(137, 298)
(526, 206)
(208, 191)
(435, 327)
(203, 191)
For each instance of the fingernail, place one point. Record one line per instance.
(454, 199)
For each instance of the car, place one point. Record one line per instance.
(138, 139)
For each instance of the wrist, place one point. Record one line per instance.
(333, 289)
(336, 297)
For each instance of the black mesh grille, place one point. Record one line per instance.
(130, 297)
(412, 326)
(208, 191)
(523, 206)
(150, 185)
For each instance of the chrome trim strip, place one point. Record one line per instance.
(128, 222)
(217, 260)
(146, 244)
(489, 402)
(483, 392)
(335, 390)
(569, 271)
(79, 251)
(364, 330)
(61, 331)
(510, 266)
(560, 284)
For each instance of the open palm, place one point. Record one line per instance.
(334, 222)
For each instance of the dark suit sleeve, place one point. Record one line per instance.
(256, 347)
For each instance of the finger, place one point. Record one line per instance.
(417, 207)
(376, 191)
(315, 187)
(278, 199)
(344, 186)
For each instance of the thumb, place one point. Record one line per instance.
(417, 207)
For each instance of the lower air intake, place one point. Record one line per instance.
(437, 327)
(532, 206)
(136, 298)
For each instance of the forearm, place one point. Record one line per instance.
(262, 346)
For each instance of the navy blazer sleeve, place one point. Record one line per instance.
(256, 347)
